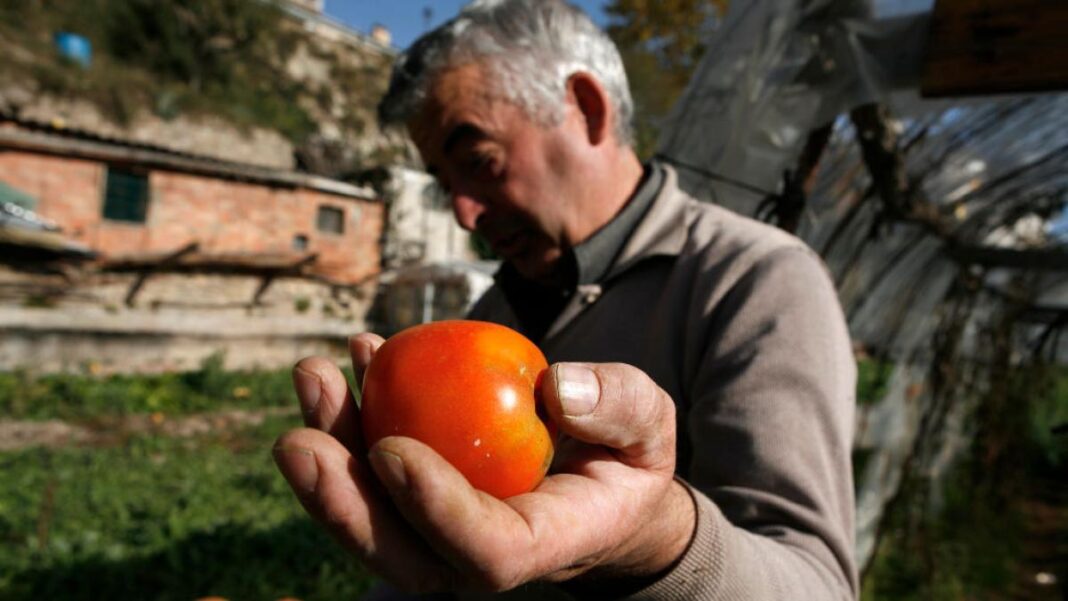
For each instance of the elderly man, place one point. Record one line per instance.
(701, 367)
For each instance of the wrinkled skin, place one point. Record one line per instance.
(611, 508)
(610, 511)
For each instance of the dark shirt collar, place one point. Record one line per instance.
(537, 306)
(594, 256)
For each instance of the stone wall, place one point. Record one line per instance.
(336, 77)
(202, 135)
(79, 321)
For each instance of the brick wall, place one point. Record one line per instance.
(224, 216)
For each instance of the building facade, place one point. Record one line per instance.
(132, 202)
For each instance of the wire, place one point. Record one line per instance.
(715, 176)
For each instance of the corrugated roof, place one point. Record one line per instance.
(21, 228)
(18, 216)
(49, 139)
(16, 197)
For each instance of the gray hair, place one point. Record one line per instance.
(529, 47)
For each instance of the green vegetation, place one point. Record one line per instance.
(39, 301)
(81, 397)
(973, 536)
(164, 519)
(969, 546)
(156, 517)
(872, 378)
(660, 43)
(1047, 425)
(212, 57)
(302, 304)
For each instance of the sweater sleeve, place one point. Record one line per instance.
(771, 426)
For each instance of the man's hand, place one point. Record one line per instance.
(610, 508)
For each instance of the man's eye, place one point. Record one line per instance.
(482, 165)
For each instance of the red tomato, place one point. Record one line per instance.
(466, 389)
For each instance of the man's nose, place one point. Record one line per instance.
(467, 209)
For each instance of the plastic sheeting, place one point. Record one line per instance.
(777, 69)
(995, 170)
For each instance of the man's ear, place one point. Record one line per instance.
(591, 100)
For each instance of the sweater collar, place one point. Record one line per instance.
(663, 230)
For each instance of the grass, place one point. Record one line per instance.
(152, 517)
(84, 397)
(164, 518)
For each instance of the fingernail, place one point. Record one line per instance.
(578, 389)
(362, 350)
(309, 388)
(299, 467)
(390, 469)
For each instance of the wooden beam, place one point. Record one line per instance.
(243, 263)
(979, 47)
(168, 260)
(296, 268)
(786, 208)
(1044, 315)
(1054, 259)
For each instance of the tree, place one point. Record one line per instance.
(661, 42)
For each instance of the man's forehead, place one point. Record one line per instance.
(460, 83)
(454, 96)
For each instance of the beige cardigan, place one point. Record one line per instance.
(740, 324)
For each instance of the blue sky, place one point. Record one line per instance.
(404, 18)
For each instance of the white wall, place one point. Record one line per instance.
(420, 225)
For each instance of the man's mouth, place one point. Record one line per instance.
(509, 245)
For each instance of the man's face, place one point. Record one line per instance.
(511, 179)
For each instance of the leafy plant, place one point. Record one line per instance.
(661, 44)
(967, 535)
(164, 519)
(872, 379)
(302, 304)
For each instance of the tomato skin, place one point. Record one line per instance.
(466, 389)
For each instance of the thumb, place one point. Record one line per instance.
(616, 406)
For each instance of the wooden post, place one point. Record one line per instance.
(166, 261)
(270, 275)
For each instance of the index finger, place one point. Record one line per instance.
(362, 348)
(325, 400)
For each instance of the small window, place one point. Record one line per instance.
(300, 242)
(331, 220)
(126, 195)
